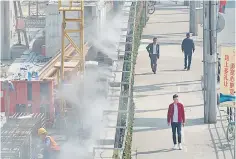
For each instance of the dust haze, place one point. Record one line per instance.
(88, 96)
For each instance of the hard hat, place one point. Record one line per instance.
(42, 131)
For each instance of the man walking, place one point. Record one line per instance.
(176, 118)
(188, 48)
(154, 53)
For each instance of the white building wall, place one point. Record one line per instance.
(94, 18)
(53, 30)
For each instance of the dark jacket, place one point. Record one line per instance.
(188, 46)
(150, 49)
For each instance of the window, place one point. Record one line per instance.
(29, 91)
(44, 91)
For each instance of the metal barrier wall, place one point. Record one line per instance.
(19, 136)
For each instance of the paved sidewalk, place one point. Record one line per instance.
(153, 93)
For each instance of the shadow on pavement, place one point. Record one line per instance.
(173, 13)
(163, 43)
(153, 124)
(154, 110)
(156, 151)
(218, 137)
(147, 88)
(154, 87)
(174, 7)
(161, 22)
(167, 93)
(137, 88)
(173, 70)
(165, 34)
(140, 74)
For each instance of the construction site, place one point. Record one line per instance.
(76, 80)
(67, 66)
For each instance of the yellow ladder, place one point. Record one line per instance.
(77, 7)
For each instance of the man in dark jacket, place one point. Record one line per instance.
(154, 53)
(188, 48)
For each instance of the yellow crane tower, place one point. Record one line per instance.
(76, 7)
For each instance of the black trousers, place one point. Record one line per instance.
(187, 60)
(176, 126)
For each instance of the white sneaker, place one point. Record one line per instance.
(175, 147)
(180, 147)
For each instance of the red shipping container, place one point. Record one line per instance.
(29, 93)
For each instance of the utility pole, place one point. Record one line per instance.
(212, 61)
(205, 52)
(193, 27)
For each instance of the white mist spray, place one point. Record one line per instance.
(109, 36)
(88, 98)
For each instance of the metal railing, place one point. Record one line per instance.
(125, 94)
(125, 111)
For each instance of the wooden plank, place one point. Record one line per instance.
(66, 64)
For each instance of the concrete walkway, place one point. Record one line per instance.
(153, 93)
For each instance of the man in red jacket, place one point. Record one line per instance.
(176, 118)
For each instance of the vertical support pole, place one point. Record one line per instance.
(145, 8)
(8, 102)
(7, 98)
(82, 37)
(205, 52)
(37, 8)
(24, 31)
(29, 6)
(62, 46)
(62, 58)
(58, 76)
(191, 16)
(212, 80)
(16, 19)
(193, 27)
(5, 30)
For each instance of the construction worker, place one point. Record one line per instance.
(50, 147)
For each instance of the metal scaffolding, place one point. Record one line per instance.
(76, 7)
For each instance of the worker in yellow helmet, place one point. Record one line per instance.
(50, 147)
